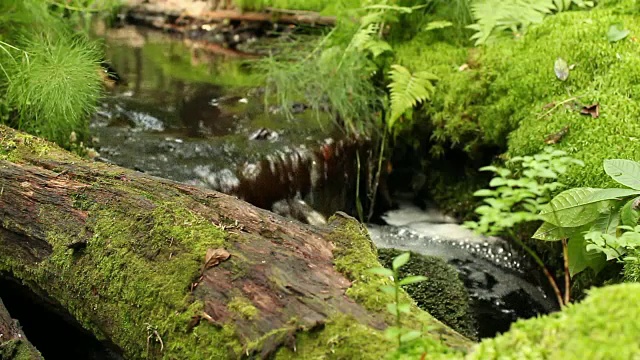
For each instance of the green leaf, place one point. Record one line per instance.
(572, 208)
(617, 32)
(483, 192)
(549, 232)
(400, 260)
(561, 68)
(404, 308)
(412, 280)
(580, 258)
(441, 24)
(407, 90)
(381, 271)
(497, 181)
(607, 222)
(629, 213)
(611, 194)
(392, 308)
(388, 289)
(411, 335)
(625, 172)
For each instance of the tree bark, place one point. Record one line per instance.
(13, 342)
(166, 270)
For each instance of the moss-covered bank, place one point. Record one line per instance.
(603, 326)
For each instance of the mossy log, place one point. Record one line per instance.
(13, 342)
(166, 270)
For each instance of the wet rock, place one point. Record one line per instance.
(497, 276)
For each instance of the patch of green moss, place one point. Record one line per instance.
(507, 97)
(242, 307)
(14, 146)
(17, 349)
(603, 326)
(632, 268)
(442, 295)
(326, 7)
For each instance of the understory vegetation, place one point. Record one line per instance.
(49, 74)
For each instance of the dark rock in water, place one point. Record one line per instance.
(443, 294)
(496, 275)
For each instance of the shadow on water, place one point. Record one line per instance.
(51, 330)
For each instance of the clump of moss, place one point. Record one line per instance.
(632, 268)
(18, 349)
(603, 326)
(442, 295)
(242, 307)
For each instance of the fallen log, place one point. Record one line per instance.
(165, 270)
(13, 342)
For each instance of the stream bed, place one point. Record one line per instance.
(201, 119)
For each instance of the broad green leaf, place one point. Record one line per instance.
(580, 258)
(412, 280)
(625, 172)
(483, 192)
(611, 194)
(550, 232)
(381, 271)
(572, 208)
(617, 32)
(400, 260)
(607, 222)
(411, 335)
(629, 213)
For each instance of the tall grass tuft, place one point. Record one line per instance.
(49, 76)
(54, 87)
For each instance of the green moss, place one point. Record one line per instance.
(501, 100)
(242, 307)
(442, 295)
(603, 326)
(14, 146)
(632, 268)
(17, 349)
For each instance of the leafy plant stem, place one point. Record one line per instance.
(396, 283)
(358, 202)
(567, 276)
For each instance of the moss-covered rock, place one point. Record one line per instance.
(442, 295)
(603, 326)
(509, 96)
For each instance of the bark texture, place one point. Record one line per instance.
(166, 270)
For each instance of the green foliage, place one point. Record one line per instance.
(597, 220)
(397, 308)
(493, 17)
(602, 326)
(442, 294)
(519, 195)
(328, 7)
(407, 90)
(50, 76)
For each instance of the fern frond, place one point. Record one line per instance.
(495, 16)
(407, 90)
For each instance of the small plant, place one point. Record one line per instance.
(596, 221)
(397, 308)
(519, 196)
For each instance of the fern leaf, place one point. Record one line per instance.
(407, 90)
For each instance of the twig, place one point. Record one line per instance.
(567, 275)
(556, 106)
(537, 259)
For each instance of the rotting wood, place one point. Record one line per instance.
(141, 280)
